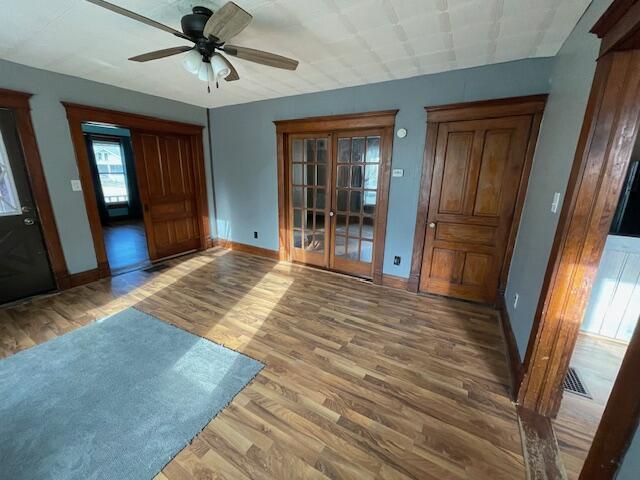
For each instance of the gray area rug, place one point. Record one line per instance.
(117, 399)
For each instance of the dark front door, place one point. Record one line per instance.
(24, 263)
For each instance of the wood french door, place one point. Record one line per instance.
(310, 169)
(167, 183)
(357, 173)
(476, 178)
(336, 185)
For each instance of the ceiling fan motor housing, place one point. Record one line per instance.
(193, 23)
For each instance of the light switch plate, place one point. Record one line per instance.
(76, 186)
(397, 172)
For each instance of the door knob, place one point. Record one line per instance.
(331, 213)
(432, 225)
(29, 221)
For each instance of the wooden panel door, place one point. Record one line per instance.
(165, 168)
(476, 176)
(309, 172)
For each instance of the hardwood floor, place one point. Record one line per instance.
(126, 245)
(597, 361)
(361, 381)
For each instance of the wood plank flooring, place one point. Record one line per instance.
(126, 244)
(361, 381)
(597, 361)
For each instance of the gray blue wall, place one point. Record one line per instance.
(571, 79)
(244, 145)
(54, 141)
(630, 468)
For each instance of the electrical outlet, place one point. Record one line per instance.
(255, 234)
(396, 260)
(76, 186)
(516, 297)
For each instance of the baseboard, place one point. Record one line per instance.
(516, 369)
(393, 281)
(413, 283)
(82, 278)
(243, 247)
(539, 446)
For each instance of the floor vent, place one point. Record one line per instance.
(573, 384)
(156, 268)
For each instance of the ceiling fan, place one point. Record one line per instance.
(209, 32)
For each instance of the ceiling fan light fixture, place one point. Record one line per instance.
(192, 61)
(220, 68)
(209, 33)
(204, 71)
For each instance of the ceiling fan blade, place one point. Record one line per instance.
(264, 58)
(227, 22)
(140, 18)
(165, 52)
(234, 73)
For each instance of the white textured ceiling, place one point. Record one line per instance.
(339, 43)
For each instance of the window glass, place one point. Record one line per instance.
(113, 178)
(9, 201)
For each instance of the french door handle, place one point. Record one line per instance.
(331, 213)
(432, 225)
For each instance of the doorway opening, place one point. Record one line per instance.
(169, 169)
(608, 325)
(117, 196)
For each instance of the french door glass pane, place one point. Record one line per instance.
(371, 177)
(357, 173)
(297, 152)
(356, 177)
(320, 198)
(366, 251)
(357, 150)
(343, 176)
(321, 152)
(344, 150)
(373, 149)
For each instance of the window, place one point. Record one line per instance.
(9, 201)
(109, 157)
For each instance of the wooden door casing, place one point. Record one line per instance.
(167, 182)
(474, 239)
(79, 114)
